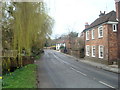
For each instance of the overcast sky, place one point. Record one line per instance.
(71, 15)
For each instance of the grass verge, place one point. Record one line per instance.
(0, 84)
(24, 77)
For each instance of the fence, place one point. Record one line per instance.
(76, 53)
(9, 53)
(10, 60)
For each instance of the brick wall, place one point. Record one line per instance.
(113, 45)
(117, 4)
(118, 37)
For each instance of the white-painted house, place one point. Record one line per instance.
(59, 44)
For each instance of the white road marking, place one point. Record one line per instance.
(53, 61)
(78, 71)
(65, 62)
(106, 84)
(57, 58)
(71, 66)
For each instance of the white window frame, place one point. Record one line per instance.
(87, 50)
(93, 47)
(100, 51)
(100, 36)
(114, 30)
(93, 34)
(87, 35)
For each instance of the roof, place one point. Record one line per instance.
(111, 16)
(61, 41)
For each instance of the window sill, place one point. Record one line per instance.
(93, 56)
(114, 31)
(100, 37)
(101, 57)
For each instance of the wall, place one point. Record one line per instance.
(113, 46)
(118, 37)
(117, 4)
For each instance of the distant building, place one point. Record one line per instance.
(59, 44)
(102, 37)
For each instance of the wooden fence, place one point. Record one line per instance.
(9, 53)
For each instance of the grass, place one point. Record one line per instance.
(21, 78)
(0, 84)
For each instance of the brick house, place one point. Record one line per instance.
(102, 37)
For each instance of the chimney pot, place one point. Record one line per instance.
(104, 12)
(86, 25)
(117, 9)
(101, 14)
(117, 0)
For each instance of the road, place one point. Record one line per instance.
(57, 70)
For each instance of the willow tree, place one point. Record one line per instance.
(30, 25)
(7, 35)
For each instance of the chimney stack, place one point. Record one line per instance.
(117, 4)
(86, 25)
(101, 14)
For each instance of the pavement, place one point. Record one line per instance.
(111, 68)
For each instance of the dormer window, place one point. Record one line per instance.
(100, 32)
(114, 27)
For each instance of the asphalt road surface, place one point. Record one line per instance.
(57, 70)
